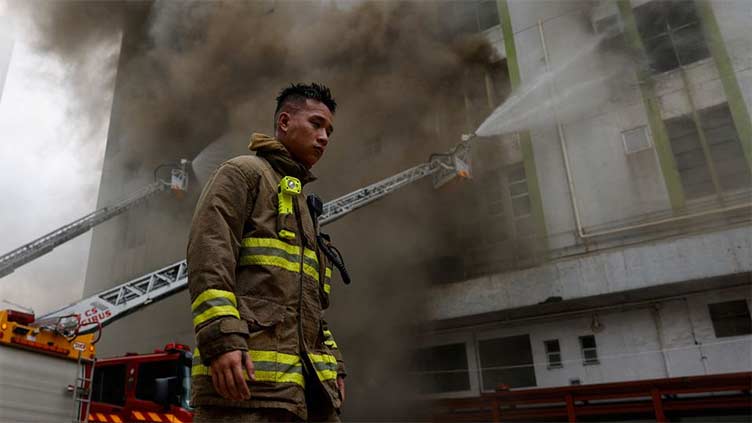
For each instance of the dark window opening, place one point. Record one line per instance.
(589, 350)
(729, 165)
(467, 16)
(442, 369)
(507, 361)
(553, 353)
(109, 384)
(730, 318)
(150, 371)
(671, 33)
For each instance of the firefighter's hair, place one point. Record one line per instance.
(300, 92)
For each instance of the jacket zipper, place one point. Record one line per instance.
(301, 338)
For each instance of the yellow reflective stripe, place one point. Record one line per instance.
(329, 342)
(278, 357)
(326, 374)
(310, 254)
(270, 243)
(261, 375)
(270, 261)
(139, 416)
(259, 355)
(154, 416)
(330, 362)
(264, 376)
(311, 271)
(322, 358)
(327, 288)
(115, 418)
(279, 262)
(328, 272)
(215, 312)
(211, 294)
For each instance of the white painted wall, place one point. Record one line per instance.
(696, 257)
(629, 345)
(612, 187)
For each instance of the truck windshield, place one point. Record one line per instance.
(149, 371)
(109, 384)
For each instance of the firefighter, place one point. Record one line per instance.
(259, 281)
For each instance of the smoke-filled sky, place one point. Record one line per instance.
(50, 163)
(191, 72)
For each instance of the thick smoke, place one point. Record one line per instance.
(191, 72)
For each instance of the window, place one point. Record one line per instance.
(109, 384)
(730, 318)
(636, 139)
(720, 167)
(521, 206)
(150, 371)
(589, 350)
(506, 361)
(553, 354)
(467, 16)
(442, 369)
(671, 34)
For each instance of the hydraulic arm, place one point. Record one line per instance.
(101, 309)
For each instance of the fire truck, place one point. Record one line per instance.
(153, 387)
(52, 358)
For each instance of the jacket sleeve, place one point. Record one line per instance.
(334, 348)
(213, 247)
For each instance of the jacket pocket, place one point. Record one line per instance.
(259, 313)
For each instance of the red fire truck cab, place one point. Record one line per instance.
(149, 388)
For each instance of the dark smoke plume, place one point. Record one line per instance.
(190, 72)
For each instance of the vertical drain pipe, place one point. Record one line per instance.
(562, 140)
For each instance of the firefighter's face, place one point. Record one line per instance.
(305, 130)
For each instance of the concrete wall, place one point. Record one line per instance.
(668, 338)
(613, 272)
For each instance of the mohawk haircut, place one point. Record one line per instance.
(300, 92)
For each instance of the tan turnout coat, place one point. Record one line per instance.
(252, 290)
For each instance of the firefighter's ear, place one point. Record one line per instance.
(283, 121)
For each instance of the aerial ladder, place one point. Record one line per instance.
(12, 260)
(105, 307)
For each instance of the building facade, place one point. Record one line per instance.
(626, 204)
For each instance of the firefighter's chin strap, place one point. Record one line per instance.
(316, 208)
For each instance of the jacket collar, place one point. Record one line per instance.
(277, 155)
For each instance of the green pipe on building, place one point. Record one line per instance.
(526, 145)
(653, 108)
(737, 105)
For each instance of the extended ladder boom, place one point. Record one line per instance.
(104, 308)
(341, 206)
(43, 245)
